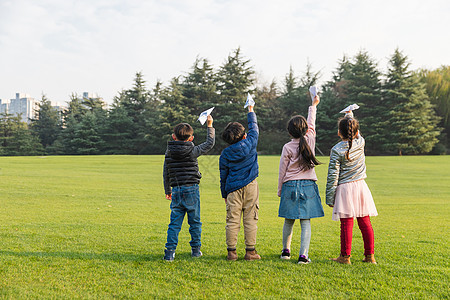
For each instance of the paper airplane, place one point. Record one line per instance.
(349, 108)
(249, 101)
(204, 115)
(313, 90)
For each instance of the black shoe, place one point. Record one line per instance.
(169, 255)
(303, 260)
(195, 252)
(285, 254)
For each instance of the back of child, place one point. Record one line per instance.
(347, 191)
(181, 178)
(238, 166)
(297, 186)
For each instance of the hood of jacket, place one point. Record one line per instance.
(237, 152)
(179, 149)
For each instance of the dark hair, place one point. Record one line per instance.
(183, 131)
(348, 127)
(297, 128)
(233, 133)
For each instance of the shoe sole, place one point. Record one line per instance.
(285, 257)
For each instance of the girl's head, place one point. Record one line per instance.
(297, 128)
(348, 130)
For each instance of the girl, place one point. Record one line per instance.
(347, 192)
(297, 182)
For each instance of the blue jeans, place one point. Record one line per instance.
(185, 200)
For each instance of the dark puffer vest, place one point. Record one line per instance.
(182, 166)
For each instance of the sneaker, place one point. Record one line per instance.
(169, 255)
(195, 252)
(285, 254)
(303, 260)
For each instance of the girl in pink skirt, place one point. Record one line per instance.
(347, 192)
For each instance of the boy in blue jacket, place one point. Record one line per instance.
(238, 165)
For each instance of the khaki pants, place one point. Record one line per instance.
(244, 201)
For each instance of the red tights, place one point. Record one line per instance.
(347, 231)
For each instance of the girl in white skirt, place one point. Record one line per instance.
(347, 192)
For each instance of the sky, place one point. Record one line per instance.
(57, 48)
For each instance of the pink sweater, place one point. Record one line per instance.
(289, 161)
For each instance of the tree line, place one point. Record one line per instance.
(401, 111)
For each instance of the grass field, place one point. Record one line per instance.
(95, 227)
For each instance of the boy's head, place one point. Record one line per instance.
(233, 133)
(183, 132)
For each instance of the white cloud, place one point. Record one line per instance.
(60, 47)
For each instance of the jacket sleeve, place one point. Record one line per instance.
(167, 188)
(223, 168)
(207, 145)
(311, 121)
(333, 177)
(284, 159)
(253, 130)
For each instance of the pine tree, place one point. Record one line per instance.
(87, 138)
(412, 123)
(235, 78)
(297, 99)
(174, 110)
(136, 102)
(16, 138)
(359, 82)
(47, 123)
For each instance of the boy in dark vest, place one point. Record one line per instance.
(238, 165)
(181, 178)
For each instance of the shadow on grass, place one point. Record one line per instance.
(118, 257)
(142, 258)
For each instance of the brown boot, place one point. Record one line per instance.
(370, 259)
(232, 255)
(251, 254)
(342, 259)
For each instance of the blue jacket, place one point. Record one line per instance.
(238, 163)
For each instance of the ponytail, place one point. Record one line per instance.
(348, 127)
(297, 128)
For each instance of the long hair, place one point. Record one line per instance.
(297, 128)
(348, 127)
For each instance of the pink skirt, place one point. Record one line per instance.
(353, 200)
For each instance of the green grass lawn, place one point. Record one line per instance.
(95, 227)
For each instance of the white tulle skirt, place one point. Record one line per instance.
(353, 200)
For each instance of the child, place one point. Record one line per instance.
(181, 179)
(297, 182)
(238, 165)
(347, 192)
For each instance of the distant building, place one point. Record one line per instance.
(22, 105)
(88, 95)
(4, 107)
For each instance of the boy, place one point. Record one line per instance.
(238, 165)
(181, 179)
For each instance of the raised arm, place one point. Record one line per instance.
(333, 177)
(253, 130)
(210, 140)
